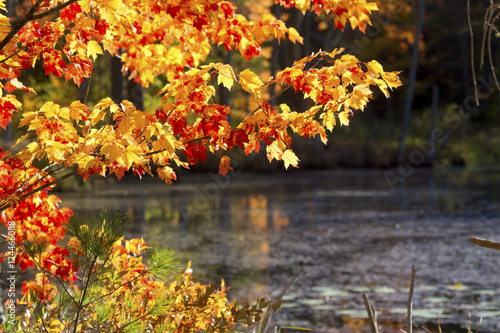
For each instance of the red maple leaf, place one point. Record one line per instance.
(69, 13)
(101, 26)
(196, 152)
(6, 110)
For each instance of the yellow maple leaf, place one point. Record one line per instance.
(294, 36)
(132, 155)
(226, 76)
(113, 151)
(274, 151)
(93, 49)
(50, 109)
(249, 80)
(125, 126)
(164, 143)
(21, 139)
(289, 158)
(344, 117)
(96, 116)
(374, 68)
(329, 120)
(167, 174)
(55, 151)
(28, 117)
(391, 79)
(362, 90)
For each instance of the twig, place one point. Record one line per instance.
(485, 243)
(490, 58)
(5, 205)
(20, 24)
(53, 10)
(372, 315)
(84, 292)
(265, 321)
(410, 301)
(471, 35)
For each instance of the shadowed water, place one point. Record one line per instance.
(353, 231)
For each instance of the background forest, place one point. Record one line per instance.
(443, 100)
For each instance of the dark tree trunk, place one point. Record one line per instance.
(135, 94)
(275, 60)
(116, 80)
(435, 109)
(412, 78)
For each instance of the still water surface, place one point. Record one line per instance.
(352, 232)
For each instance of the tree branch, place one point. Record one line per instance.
(31, 16)
(490, 58)
(54, 10)
(38, 189)
(471, 34)
(20, 24)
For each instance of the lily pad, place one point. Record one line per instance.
(324, 307)
(422, 313)
(485, 292)
(489, 314)
(353, 313)
(425, 288)
(287, 297)
(331, 292)
(495, 305)
(384, 290)
(457, 287)
(435, 300)
(288, 305)
(360, 289)
(311, 301)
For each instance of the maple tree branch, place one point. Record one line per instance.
(120, 285)
(198, 139)
(61, 282)
(4, 61)
(318, 60)
(188, 141)
(38, 189)
(20, 188)
(88, 89)
(270, 98)
(20, 24)
(31, 16)
(54, 10)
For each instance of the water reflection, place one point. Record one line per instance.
(346, 228)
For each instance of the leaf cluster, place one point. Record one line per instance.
(118, 290)
(99, 281)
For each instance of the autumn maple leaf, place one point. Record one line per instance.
(71, 12)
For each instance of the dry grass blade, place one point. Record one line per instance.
(410, 301)
(485, 243)
(372, 315)
(264, 324)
